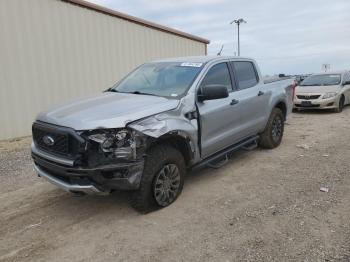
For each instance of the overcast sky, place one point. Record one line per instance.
(283, 36)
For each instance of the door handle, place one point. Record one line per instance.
(233, 102)
(260, 93)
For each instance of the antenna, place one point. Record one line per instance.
(222, 47)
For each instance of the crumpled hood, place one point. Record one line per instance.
(108, 110)
(317, 89)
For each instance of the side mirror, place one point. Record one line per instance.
(210, 92)
(346, 83)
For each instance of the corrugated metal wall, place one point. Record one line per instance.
(52, 51)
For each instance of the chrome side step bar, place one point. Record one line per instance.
(86, 189)
(245, 144)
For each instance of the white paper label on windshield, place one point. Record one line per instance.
(192, 64)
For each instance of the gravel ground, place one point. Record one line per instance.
(264, 205)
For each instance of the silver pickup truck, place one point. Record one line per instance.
(163, 119)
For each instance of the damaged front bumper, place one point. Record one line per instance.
(99, 180)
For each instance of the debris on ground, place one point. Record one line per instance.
(33, 225)
(304, 146)
(324, 189)
(325, 155)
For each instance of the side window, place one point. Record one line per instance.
(218, 75)
(346, 77)
(245, 74)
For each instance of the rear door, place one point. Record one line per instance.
(253, 97)
(219, 118)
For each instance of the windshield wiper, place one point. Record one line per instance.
(142, 93)
(111, 90)
(133, 92)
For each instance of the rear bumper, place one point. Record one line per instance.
(98, 180)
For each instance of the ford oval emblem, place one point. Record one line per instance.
(48, 140)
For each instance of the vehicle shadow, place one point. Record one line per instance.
(114, 203)
(209, 173)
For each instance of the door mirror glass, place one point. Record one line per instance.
(210, 92)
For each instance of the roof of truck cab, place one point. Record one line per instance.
(201, 59)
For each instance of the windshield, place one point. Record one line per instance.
(321, 80)
(166, 79)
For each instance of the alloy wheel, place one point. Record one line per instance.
(276, 129)
(166, 185)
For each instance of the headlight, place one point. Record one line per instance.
(329, 95)
(120, 143)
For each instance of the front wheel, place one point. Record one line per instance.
(273, 133)
(340, 107)
(162, 180)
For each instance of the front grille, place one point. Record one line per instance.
(61, 144)
(62, 141)
(310, 97)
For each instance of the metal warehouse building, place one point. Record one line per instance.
(53, 50)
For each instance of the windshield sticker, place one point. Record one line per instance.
(334, 76)
(173, 95)
(192, 64)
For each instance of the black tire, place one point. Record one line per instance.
(340, 107)
(159, 159)
(273, 133)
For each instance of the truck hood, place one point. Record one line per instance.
(108, 110)
(316, 89)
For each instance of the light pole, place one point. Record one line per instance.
(238, 22)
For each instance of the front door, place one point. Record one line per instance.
(219, 118)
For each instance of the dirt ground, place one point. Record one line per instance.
(264, 205)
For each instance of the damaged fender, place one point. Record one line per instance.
(171, 123)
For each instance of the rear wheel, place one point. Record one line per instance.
(273, 133)
(162, 180)
(340, 105)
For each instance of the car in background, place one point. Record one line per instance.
(329, 90)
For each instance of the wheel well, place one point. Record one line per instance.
(179, 142)
(283, 107)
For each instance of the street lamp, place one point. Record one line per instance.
(238, 22)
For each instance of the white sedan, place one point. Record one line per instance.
(329, 90)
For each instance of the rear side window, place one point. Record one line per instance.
(218, 75)
(346, 77)
(245, 74)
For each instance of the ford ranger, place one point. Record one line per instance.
(162, 120)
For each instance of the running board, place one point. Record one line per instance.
(245, 144)
(251, 146)
(220, 164)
